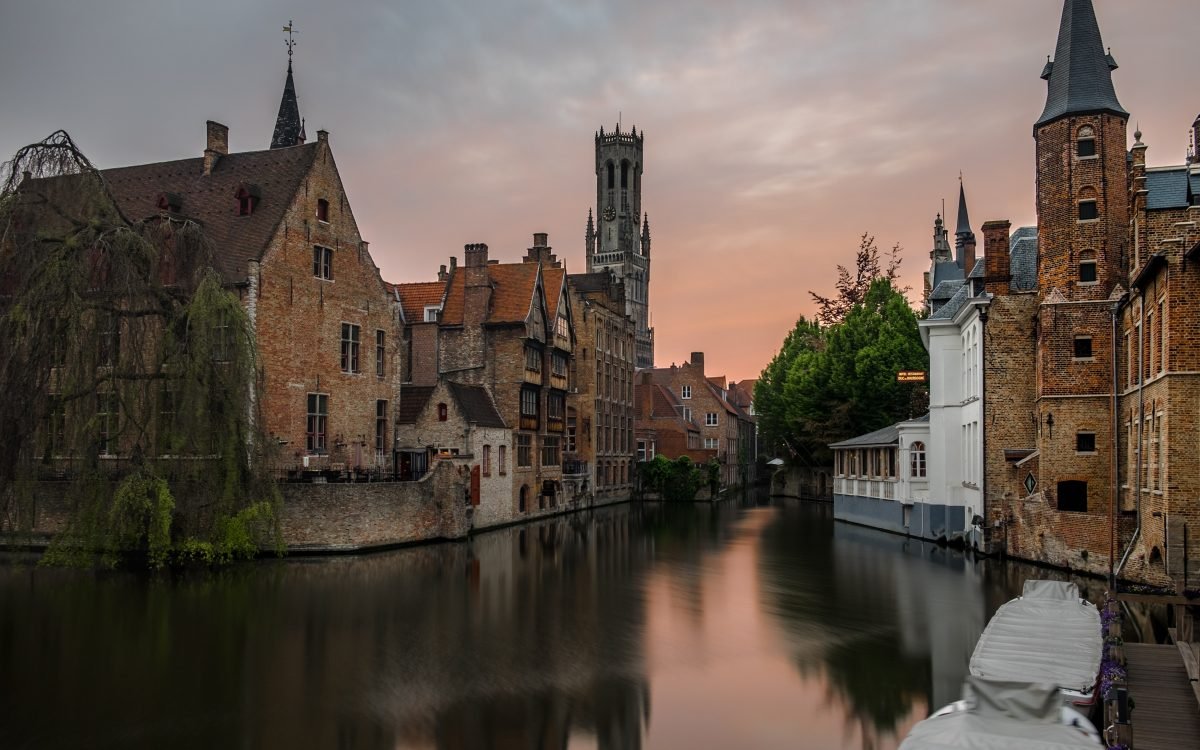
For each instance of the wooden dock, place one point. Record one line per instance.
(1166, 715)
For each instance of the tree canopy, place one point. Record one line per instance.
(129, 373)
(835, 377)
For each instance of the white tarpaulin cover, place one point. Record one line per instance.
(1003, 715)
(1048, 636)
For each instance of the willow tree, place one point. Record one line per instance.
(128, 371)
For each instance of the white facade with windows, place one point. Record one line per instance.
(954, 338)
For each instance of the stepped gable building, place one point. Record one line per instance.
(600, 413)
(618, 237)
(507, 328)
(286, 240)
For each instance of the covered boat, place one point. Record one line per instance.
(999, 714)
(1047, 635)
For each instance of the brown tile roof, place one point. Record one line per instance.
(277, 175)
(664, 405)
(512, 293)
(416, 296)
(412, 402)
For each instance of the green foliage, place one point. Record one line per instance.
(829, 384)
(674, 481)
(129, 369)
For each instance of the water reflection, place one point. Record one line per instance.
(737, 624)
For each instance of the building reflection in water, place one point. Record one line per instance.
(728, 625)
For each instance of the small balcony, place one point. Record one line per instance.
(574, 468)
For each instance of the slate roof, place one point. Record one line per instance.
(1080, 78)
(948, 310)
(945, 290)
(412, 402)
(289, 128)
(512, 293)
(210, 200)
(964, 222)
(597, 281)
(1173, 187)
(946, 271)
(889, 435)
(415, 297)
(1023, 259)
(476, 405)
(978, 271)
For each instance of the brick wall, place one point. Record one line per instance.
(299, 321)
(343, 517)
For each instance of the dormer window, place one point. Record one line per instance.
(247, 199)
(170, 202)
(323, 210)
(1085, 143)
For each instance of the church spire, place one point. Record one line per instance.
(289, 128)
(964, 238)
(1080, 77)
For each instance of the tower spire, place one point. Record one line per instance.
(289, 128)
(1080, 76)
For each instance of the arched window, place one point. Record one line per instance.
(624, 174)
(1087, 267)
(442, 412)
(1085, 142)
(521, 505)
(916, 453)
(611, 176)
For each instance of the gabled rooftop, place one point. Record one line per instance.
(275, 175)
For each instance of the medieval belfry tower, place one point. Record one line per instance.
(618, 236)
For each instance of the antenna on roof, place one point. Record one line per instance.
(290, 41)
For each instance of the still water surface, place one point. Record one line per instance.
(746, 624)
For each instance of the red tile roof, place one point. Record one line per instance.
(512, 293)
(415, 297)
(210, 199)
(552, 281)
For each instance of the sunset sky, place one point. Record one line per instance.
(777, 131)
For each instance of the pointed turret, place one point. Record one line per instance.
(289, 129)
(1080, 77)
(589, 236)
(964, 238)
(646, 235)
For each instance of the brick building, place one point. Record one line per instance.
(1091, 398)
(507, 328)
(455, 421)
(600, 412)
(724, 427)
(661, 428)
(286, 241)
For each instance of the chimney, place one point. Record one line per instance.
(541, 251)
(698, 361)
(442, 274)
(217, 145)
(477, 284)
(996, 275)
(1196, 140)
(322, 136)
(968, 254)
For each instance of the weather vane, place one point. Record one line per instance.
(290, 41)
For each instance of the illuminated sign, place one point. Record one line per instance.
(910, 376)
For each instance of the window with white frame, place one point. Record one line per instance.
(710, 419)
(712, 443)
(431, 313)
(686, 391)
(916, 453)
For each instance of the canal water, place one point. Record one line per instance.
(746, 624)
